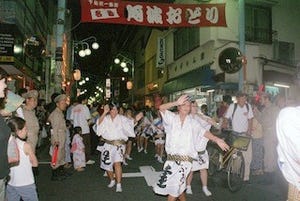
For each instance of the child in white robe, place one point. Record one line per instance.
(78, 150)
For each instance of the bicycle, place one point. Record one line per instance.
(232, 161)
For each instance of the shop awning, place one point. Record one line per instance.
(276, 71)
(202, 76)
(275, 76)
(11, 69)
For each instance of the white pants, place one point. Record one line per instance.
(248, 158)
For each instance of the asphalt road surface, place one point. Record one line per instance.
(142, 171)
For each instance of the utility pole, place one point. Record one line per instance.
(60, 23)
(242, 41)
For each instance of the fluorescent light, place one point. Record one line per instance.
(281, 85)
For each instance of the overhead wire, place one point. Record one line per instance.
(74, 27)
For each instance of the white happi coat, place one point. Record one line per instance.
(119, 128)
(288, 134)
(206, 126)
(182, 139)
(202, 161)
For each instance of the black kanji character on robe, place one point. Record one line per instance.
(163, 179)
(105, 158)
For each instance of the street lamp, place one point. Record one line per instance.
(123, 61)
(95, 45)
(85, 47)
(117, 61)
(84, 44)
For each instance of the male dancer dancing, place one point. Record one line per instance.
(183, 133)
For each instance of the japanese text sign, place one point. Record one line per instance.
(153, 14)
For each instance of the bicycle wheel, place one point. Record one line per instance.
(235, 172)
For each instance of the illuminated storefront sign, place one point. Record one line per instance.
(6, 47)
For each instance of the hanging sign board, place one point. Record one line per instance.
(107, 88)
(153, 14)
(161, 52)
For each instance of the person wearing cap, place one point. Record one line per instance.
(58, 135)
(267, 118)
(241, 116)
(32, 122)
(183, 135)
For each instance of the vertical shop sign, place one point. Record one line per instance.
(107, 88)
(161, 52)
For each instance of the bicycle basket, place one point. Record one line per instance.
(241, 142)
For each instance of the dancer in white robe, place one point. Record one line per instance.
(115, 129)
(183, 134)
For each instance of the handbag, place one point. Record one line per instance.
(13, 151)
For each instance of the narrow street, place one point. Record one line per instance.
(91, 185)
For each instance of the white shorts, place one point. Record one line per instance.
(159, 141)
(111, 154)
(173, 179)
(202, 162)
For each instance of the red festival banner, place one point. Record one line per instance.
(153, 14)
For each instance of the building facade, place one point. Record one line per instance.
(28, 42)
(272, 48)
